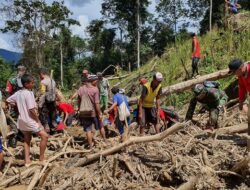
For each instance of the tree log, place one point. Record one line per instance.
(241, 165)
(190, 185)
(27, 172)
(120, 77)
(129, 142)
(188, 84)
(34, 179)
(233, 129)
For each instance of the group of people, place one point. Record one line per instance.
(95, 106)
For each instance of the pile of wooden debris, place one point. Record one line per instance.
(182, 157)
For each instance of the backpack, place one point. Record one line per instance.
(50, 95)
(211, 84)
(123, 110)
(86, 106)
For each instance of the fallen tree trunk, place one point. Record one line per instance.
(120, 77)
(242, 128)
(27, 172)
(34, 179)
(241, 165)
(188, 84)
(129, 142)
(189, 185)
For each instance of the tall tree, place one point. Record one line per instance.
(102, 45)
(173, 12)
(34, 22)
(123, 14)
(163, 35)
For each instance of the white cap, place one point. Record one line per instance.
(158, 76)
(121, 91)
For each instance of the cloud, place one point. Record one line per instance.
(80, 30)
(79, 2)
(4, 44)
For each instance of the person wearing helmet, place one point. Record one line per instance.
(149, 103)
(211, 97)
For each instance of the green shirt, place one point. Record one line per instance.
(103, 87)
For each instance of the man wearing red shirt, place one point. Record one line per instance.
(196, 54)
(68, 111)
(242, 71)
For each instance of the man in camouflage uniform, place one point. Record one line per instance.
(12, 86)
(212, 97)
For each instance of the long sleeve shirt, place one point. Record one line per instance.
(214, 98)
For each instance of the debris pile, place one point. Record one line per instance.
(187, 157)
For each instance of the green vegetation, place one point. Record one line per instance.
(222, 46)
(6, 71)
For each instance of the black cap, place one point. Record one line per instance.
(234, 65)
(115, 90)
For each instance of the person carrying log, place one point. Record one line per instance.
(28, 121)
(242, 70)
(90, 112)
(211, 97)
(149, 103)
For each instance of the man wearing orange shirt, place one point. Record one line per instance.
(242, 71)
(196, 54)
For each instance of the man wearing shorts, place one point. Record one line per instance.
(28, 121)
(91, 91)
(148, 112)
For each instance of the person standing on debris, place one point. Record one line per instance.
(196, 54)
(103, 86)
(47, 101)
(211, 97)
(150, 95)
(85, 74)
(89, 111)
(15, 84)
(233, 6)
(84, 77)
(207, 59)
(12, 86)
(242, 70)
(28, 121)
(120, 121)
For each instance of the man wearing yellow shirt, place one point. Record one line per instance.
(149, 103)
